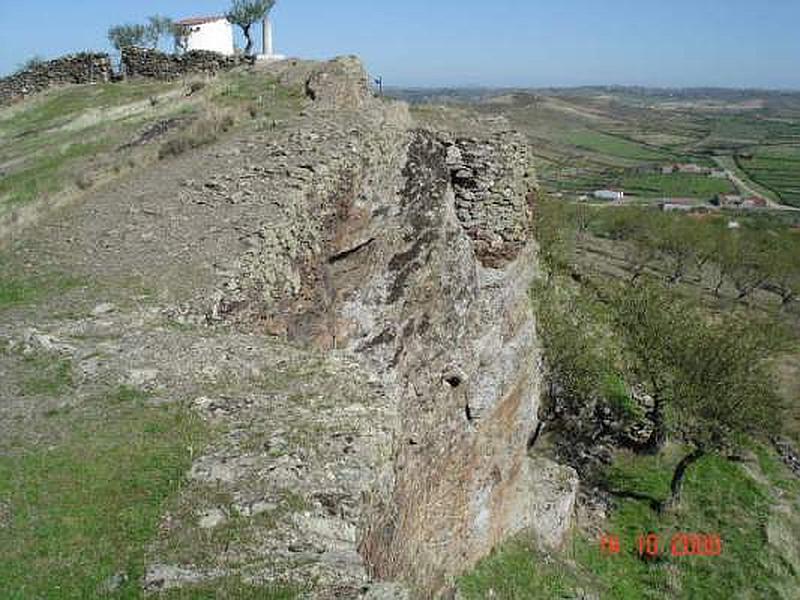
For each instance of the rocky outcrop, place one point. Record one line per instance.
(341, 82)
(351, 317)
(73, 69)
(412, 252)
(153, 64)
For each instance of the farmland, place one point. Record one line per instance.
(593, 138)
(674, 185)
(776, 168)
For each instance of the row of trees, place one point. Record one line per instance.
(148, 35)
(747, 258)
(243, 13)
(709, 375)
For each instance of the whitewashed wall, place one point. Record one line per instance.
(216, 36)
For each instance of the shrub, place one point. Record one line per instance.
(195, 86)
(84, 181)
(202, 132)
(31, 63)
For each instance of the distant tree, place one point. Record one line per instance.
(157, 28)
(125, 36)
(640, 230)
(784, 268)
(556, 225)
(245, 13)
(180, 37)
(675, 240)
(753, 267)
(710, 379)
(31, 63)
(726, 258)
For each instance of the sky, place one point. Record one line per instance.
(502, 43)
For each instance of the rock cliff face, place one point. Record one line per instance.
(343, 297)
(412, 252)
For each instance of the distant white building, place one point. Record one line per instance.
(214, 34)
(609, 195)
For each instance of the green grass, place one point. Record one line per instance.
(85, 509)
(15, 291)
(719, 498)
(616, 395)
(126, 394)
(517, 571)
(232, 589)
(24, 291)
(59, 106)
(261, 94)
(46, 173)
(70, 135)
(604, 143)
(20, 287)
(47, 375)
(748, 129)
(50, 140)
(777, 169)
(676, 186)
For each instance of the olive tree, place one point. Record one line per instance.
(180, 37)
(158, 27)
(675, 239)
(710, 379)
(245, 13)
(125, 36)
(555, 226)
(148, 36)
(783, 267)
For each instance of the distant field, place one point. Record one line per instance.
(750, 128)
(676, 185)
(778, 169)
(615, 146)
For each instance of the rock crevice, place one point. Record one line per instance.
(412, 252)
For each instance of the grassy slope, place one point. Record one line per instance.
(49, 138)
(84, 509)
(83, 486)
(720, 497)
(67, 138)
(753, 506)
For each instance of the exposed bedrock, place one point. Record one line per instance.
(413, 252)
(458, 341)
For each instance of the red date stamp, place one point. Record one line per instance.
(680, 545)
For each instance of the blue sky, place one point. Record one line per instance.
(732, 43)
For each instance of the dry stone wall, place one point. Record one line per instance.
(153, 64)
(73, 69)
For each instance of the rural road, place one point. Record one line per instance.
(746, 189)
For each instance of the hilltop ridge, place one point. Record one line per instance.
(340, 300)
